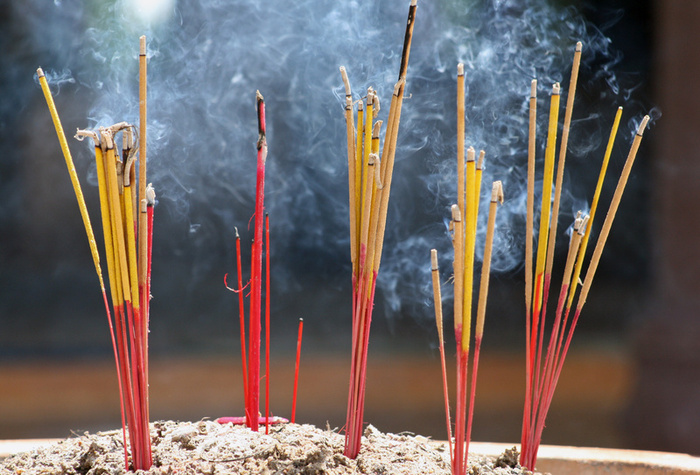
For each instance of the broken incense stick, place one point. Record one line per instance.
(296, 369)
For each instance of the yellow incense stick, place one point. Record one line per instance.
(478, 174)
(73, 174)
(359, 165)
(458, 267)
(367, 146)
(594, 205)
(610, 217)
(116, 212)
(469, 244)
(496, 198)
(546, 196)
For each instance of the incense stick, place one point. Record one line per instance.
(437, 299)
(296, 370)
(253, 405)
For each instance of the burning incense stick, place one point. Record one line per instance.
(296, 369)
(369, 178)
(253, 402)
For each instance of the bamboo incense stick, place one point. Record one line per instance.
(350, 129)
(560, 165)
(296, 370)
(610, 217)
(460, 137)
(143, 89)
(594, 205)
(529, 238)
(437, 299)
(496, 199)
(73, 175)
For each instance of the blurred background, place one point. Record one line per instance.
(631, 379)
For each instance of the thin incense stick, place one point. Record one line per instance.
(241, 315)
(350, 129)
(496, 198)
(267, 323)
(460, 137)
(437, 299)
(73, 175)
(529, 237)
(296, 370)
(560, 168)
(594, 204)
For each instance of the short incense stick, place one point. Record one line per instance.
(370, 175)
(296, 370)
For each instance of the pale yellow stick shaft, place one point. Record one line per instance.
(610, 217)
(496, 198)
(458, 267)
(562, 159)
(73, 174)
(350, 131)
(594, 206)
(437, 299)
(388, 155)
(530, 218)
(460, 137)
(143, 121)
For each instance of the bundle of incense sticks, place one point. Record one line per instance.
(369, 176)
(463, 227)
(543, 370)
(127, 226)
(251, 360)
